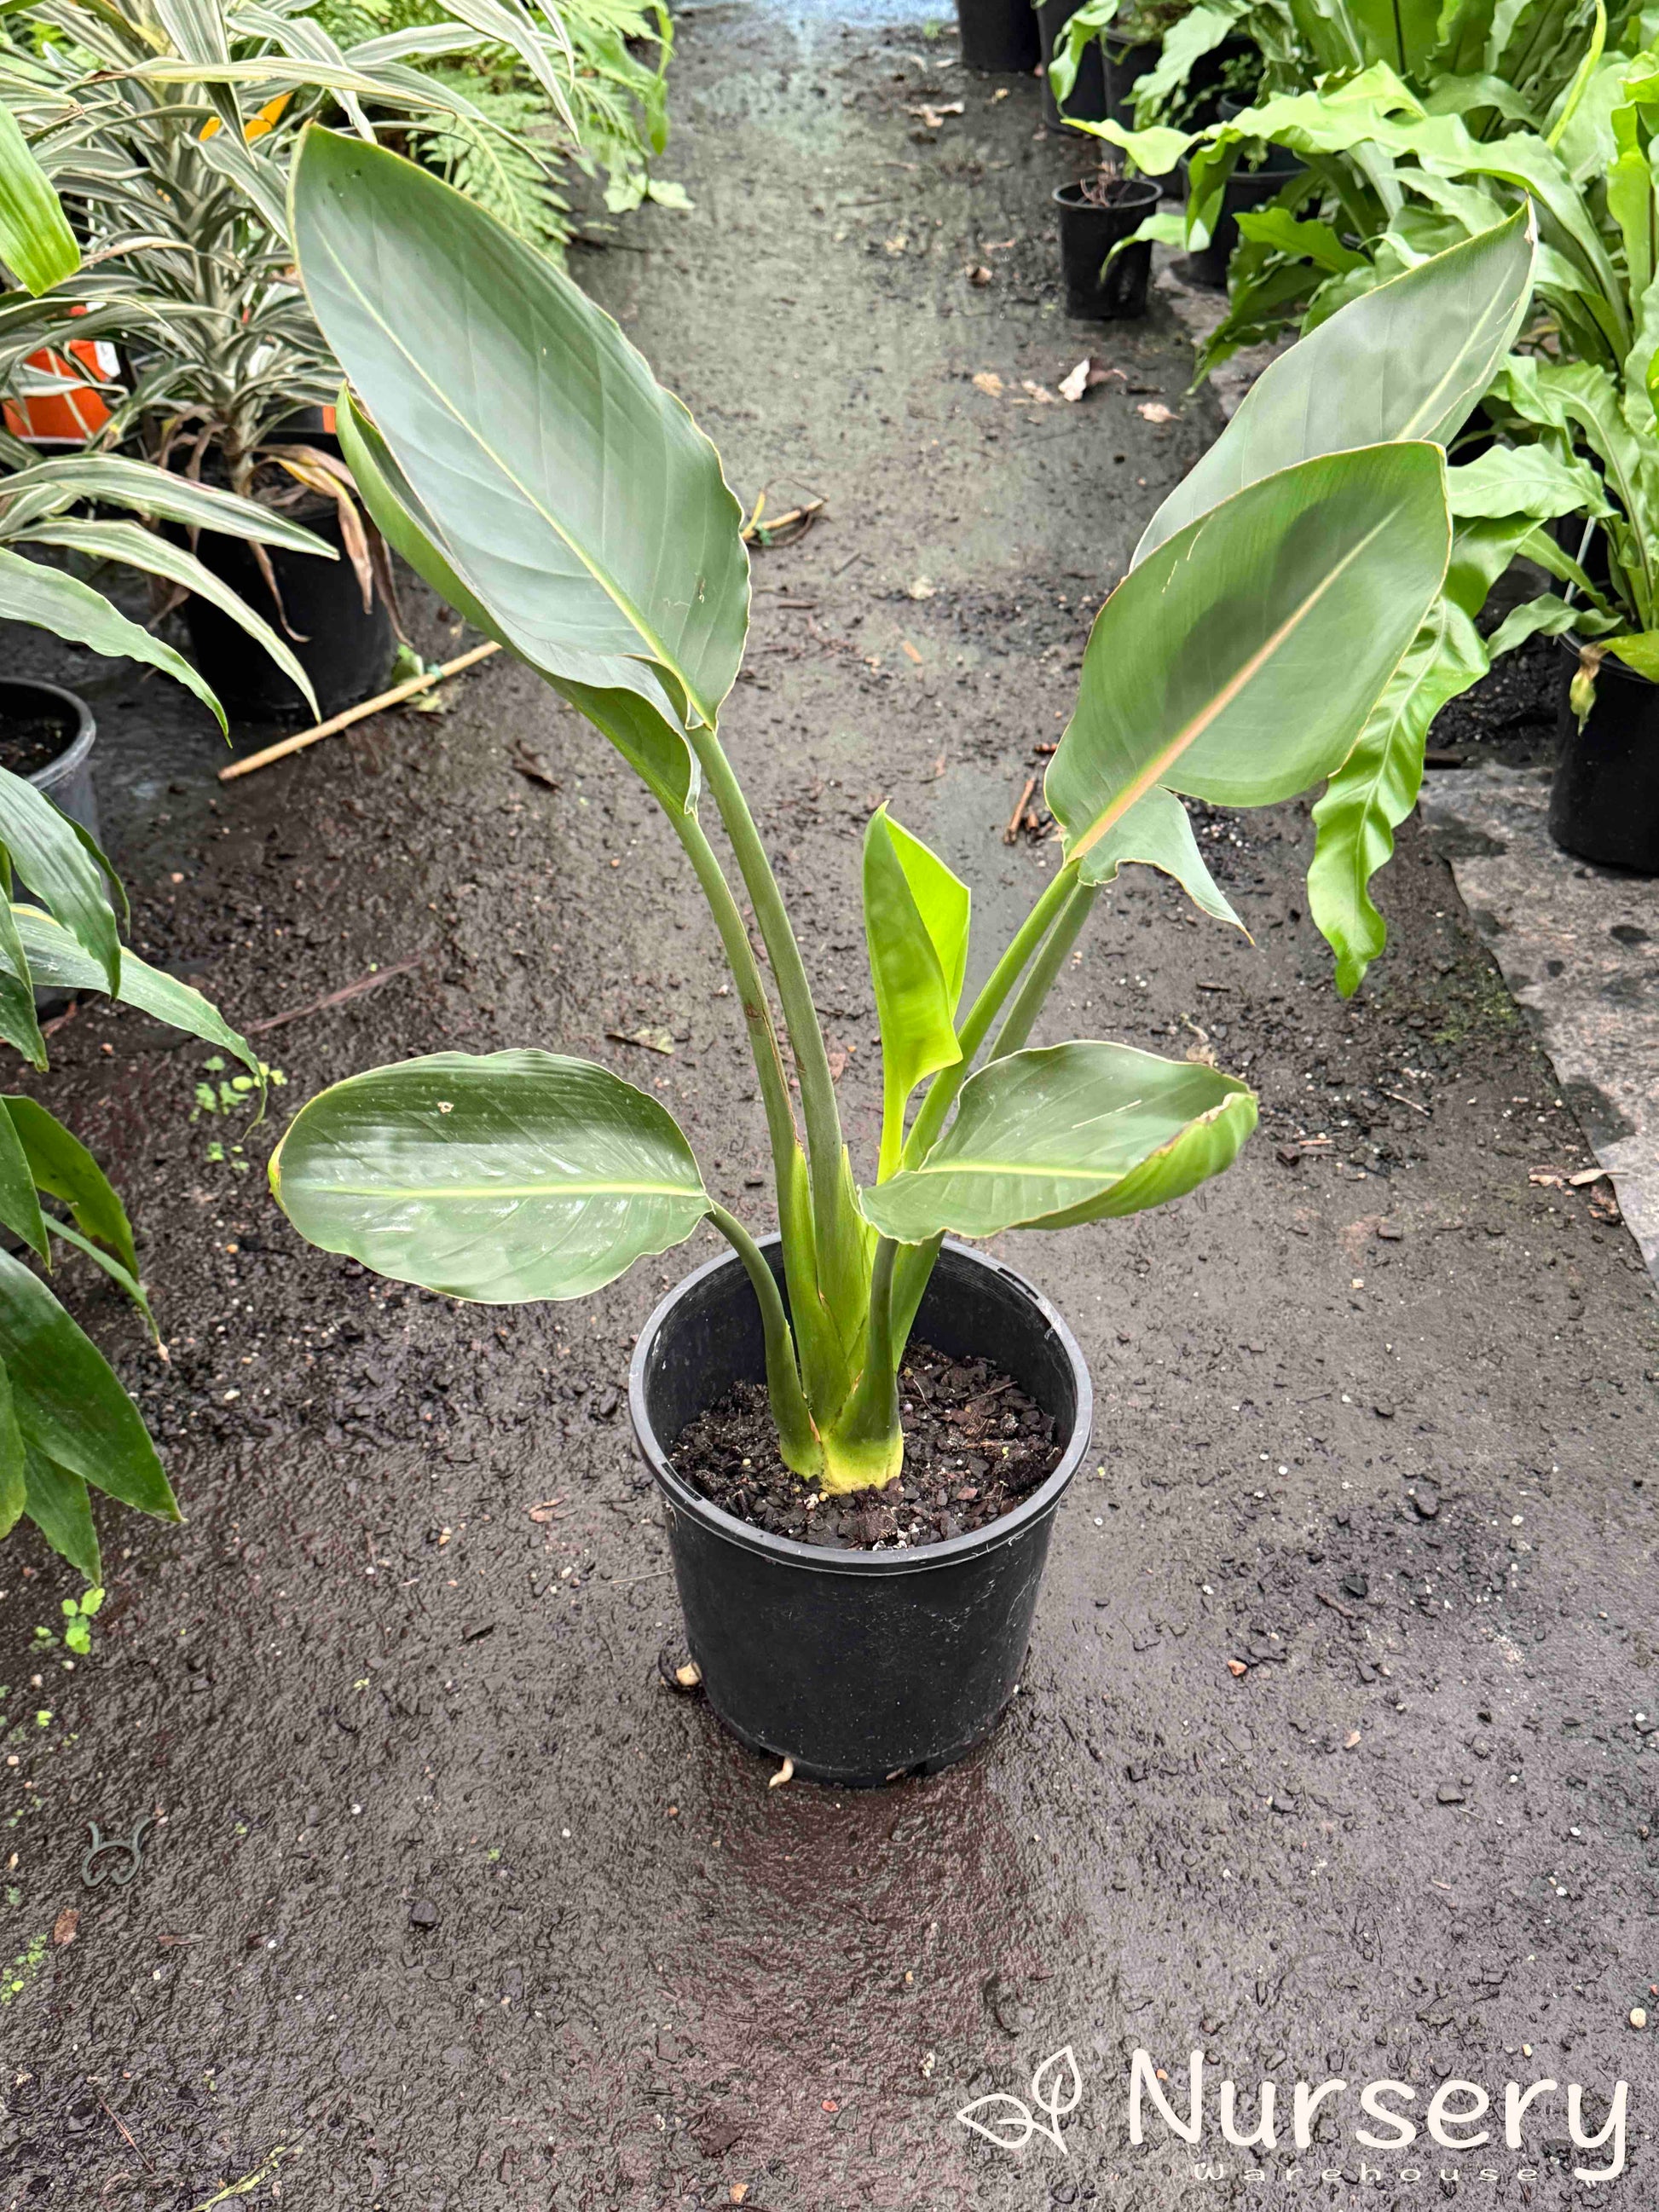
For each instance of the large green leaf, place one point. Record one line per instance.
(1065, 1134)
(654, 748)
(31, 592)
(55, 960)
(57, 1502)
(1376, 788)
(575, 496)
(61, 865)
(1408, 359)
(502, 1177)
(1158, 831)
(1239, 661)
(60, 1164)
(915, 925)
(20, 1020)
(36, 242)
(68, 1400)
(138, 548)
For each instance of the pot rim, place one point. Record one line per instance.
(1150, 185)
(1570, 642)
(815, 1558)
(86, 726)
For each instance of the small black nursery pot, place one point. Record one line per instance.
(1089, 230)
(859, 1666)
(1604, 802)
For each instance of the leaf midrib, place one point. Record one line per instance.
(618, 599)
(559, 1190)
(1185, 737)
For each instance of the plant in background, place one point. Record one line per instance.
(509, 156)
(517, 450)
(1394, 118)
(169, 132)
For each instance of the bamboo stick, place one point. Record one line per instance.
(406, 689)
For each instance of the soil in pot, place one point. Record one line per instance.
(1604, 802)
(999, 36)
(1095, 216)
(30, 736)
(46, 736)
(975, 1445)
(345, 647)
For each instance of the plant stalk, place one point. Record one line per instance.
(865, 1448)
(798, 1438)
(1040, 976)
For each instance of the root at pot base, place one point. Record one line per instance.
(975, 1445)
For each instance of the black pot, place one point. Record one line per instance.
(345, 648)
(1087, 99)
(1125, 67)
(66, 780)
(1604, 802)
(859, 1666)
(999, 35)
(1244, 189)
(1087, 235)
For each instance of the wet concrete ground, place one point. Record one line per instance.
(450, 1903)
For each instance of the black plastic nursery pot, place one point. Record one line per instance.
(1087, 235)
(1604, 802)
(1246, 189)
(46, 735)
(1125, 66)
(999, 36)
(1086, 102)
(345, 647)
(859, 1666)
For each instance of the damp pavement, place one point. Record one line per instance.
(1334, 1756)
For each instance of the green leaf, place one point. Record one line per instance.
(19, 1209)
(574, 495)
(69, 1399)
(138, 548)
(1239, 661)
(510, 1176)
(915, 925)
(1408, 359)
(1529, 480)
(31, 592)
(36, 242)
(1376, 786)
(1637, 649)
(14, 1491)
(653, 746)
(58, 861)
(146, 489)
(1157, 831)
(1066, 1133)
(20, 1021)
(57, 1502)
(56, 962)
(123, 1278)
(60, 1164)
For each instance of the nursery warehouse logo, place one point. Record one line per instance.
(1389, 2131)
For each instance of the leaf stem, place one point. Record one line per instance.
(840, 1250)
(797, 1437)
(1040, 978)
